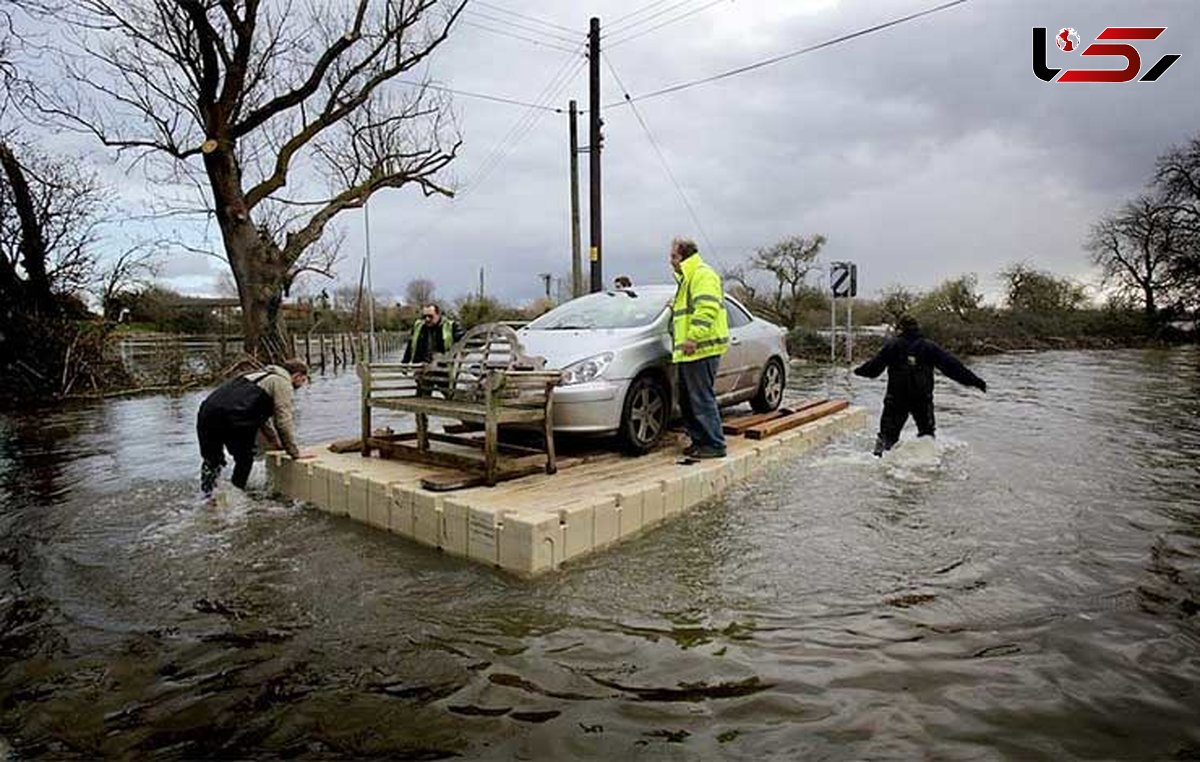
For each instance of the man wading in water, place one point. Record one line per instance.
(231, 417)
(909, 360)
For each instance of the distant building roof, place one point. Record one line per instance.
(185, 302)
(219, 302)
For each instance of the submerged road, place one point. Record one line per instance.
(1030, 588)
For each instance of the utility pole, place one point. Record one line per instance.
(576, 254)
(370, 285)
(481, 284)
(594, 150)
(546, 277)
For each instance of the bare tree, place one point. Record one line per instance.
(7, 69)
(1134, 249)
(1177, 179)
(50, 214)
(788, 262)
(739, 282)
(418, 292)
(953, 296)
(1031, 290)
(1177, 182)
(49, 217)
(245, 98)
(132, 270)
(896, 301)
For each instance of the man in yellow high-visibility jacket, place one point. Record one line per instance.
(700, 335)
(431, 335)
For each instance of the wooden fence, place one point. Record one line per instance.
(146, 354)
(342, 349)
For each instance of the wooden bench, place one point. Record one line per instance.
(485, 378)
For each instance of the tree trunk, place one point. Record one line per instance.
(261, 280)
(36, 288)
(258, 264)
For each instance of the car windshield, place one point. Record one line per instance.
(608, 309)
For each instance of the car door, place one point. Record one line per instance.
(736, 364)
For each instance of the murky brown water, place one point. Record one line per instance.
(1032, 592)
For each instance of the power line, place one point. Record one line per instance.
(661, 157)
(793, 54)
(512, 138)
(516, 36)
(639, 11)
(481, 96)
(615, 28)
(563, 77)
(534, 19)
(668, 22)
(554, 35)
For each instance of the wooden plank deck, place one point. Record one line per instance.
(536, 523)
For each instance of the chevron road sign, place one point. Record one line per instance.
(843, 279)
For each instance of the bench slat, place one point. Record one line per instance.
(461, 411)
(484, 378)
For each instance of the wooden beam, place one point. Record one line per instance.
(479, 443)
(353, 444)
(449, 482)
(741, 423)
(764, 430)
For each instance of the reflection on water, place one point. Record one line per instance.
(1028, 587)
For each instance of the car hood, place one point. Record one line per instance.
(562, 347)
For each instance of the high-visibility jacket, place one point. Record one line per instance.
(698, 312)
(447, 338)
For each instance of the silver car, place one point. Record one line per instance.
(615, 351)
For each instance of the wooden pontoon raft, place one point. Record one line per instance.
(533, 524)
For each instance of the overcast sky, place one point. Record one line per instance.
(924, 151)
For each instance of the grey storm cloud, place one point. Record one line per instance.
(922, 151)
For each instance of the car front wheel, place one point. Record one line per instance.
(644, 415)
(770, 388)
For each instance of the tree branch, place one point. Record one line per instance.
(293, 98)
(355, 196)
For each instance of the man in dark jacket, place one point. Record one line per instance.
(432, 334)
(231, 417)
(909, 359)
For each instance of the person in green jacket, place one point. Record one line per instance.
(432, 334)
(700, 335)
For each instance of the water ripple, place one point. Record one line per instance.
(1026, 587)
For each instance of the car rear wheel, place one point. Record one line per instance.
(644, 415)
(770, 388)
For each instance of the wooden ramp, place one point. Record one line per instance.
(536, 523)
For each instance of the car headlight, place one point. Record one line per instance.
(588, 369)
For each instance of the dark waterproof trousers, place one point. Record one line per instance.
(229, 420)
(896, 410)
(698, 402)
(215, 438)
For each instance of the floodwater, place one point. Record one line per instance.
(1027, 589)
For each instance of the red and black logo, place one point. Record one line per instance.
(1067, 41)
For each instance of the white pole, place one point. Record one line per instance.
(849, 331)
(832, 324)
(370, 286)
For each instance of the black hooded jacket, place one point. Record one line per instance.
(909, 360)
